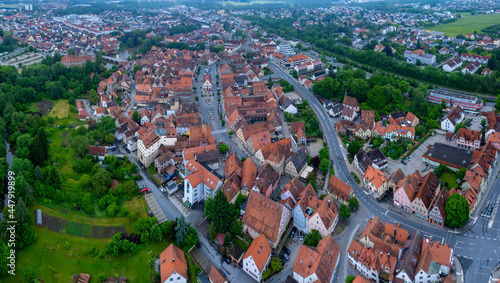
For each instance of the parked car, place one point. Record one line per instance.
(283, 261)
(301, 235)
(404, 162)
(490, 209)
(284, 255)
(226, 259)
(127, 150)
(286, 250)
(292, 234)
(144, 190)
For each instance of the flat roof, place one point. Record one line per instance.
(454, 156)
(455, 95)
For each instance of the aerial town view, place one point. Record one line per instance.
(219, 141)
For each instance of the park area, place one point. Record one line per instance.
(468, 24)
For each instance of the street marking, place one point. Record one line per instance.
(386, 212)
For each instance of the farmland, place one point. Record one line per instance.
(468, 24)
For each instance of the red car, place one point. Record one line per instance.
(144, 190)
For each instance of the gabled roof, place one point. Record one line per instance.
(233, 164)
(259, 250)
(321, 260)
(248, 173)
(172, 261)
(264, 215)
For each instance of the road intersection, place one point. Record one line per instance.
(477, 249)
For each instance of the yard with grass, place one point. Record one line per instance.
(60, 110)
(137, 208)
(52, 262)
(468, 24)
(449, 180)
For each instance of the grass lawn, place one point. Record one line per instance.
(137, 207)
(450, 179)
(152, 171)
(468, 24)
(244, 246)
(52, 262)
(60, 110)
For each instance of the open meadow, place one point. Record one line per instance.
(468, 24)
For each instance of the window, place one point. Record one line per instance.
(178, 278)
(171, 279)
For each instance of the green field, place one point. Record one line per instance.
(52, 262)
(450, 179)
(468, 24)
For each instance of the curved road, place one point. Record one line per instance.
(478, 249)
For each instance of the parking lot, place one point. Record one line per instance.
(475, 123)
(416, 162)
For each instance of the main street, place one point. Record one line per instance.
(477, 252)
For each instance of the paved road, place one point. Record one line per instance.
(478, 251)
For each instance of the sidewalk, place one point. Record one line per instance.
(495, 275)
(458, 271)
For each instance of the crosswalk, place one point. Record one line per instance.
(155, 208)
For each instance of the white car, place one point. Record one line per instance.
(301, 235)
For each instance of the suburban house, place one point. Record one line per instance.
(215, 276)
(375, 181)
(468, 139)
(340, 190)
(374, 158)
(311, 213)
(334, 108)
(351, 103)
(455, 115)
(264, 216)
(394, 132)
(428, 190)
(291, 192)
(257, 257)
(317, 264)
(452, 65)
(200, 184)
(173, 266)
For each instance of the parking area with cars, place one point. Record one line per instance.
(414, 161)
(473, 122)
(290, 249)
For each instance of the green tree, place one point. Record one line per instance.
(220, 211)
(80, 145)
(136, 117)
(87, 205)
(275, 264)
(53, 179)
(457, 211)
(324, 165)
(344, 212)
(328, 88)
(181, 230)
(223, 148)
(353, 203)
(354, 147)
(101, 182)
(295, 74)
(155, 234)
(461, 173)
(312, 239)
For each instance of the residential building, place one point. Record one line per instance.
(455, 115)
(340, 190)
(200, 184)
(351, 103)
(147, 148)
(257, 257)
(424, 196)
(297, 162)
(405, 190)
(419, 55)
(266, 181)
(375, 181)
(395, 132)
(435, 260)
(407, 265)
(317, 264)
(452, 65)
(437, 214)
(471, 68)
(264, 216)
(173, 266)
(394, 179)
(311, 213)
(291, 192)
(334, 108)
(374, 158)
(215, 276)
(248, 174)
(468, 139)
(71, 60)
